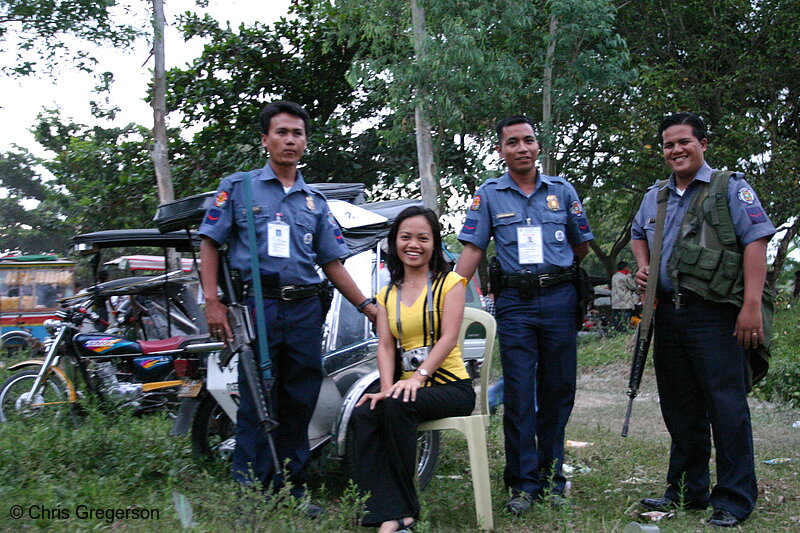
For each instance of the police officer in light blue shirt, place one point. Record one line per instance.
(295, 231)
(540, 228)
(702, 328)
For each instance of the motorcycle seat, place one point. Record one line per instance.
(172, 343)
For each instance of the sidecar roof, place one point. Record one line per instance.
(90, 243)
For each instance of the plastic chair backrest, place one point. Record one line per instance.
(472, 315)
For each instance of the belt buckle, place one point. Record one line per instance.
(543, 280)
(283, 292)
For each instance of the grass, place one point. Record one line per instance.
(126, 464)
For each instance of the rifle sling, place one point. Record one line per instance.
(648, 307)
(255, 274)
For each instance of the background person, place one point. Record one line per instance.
(539, 226)
(703, 324)
(291, 300)
(385, 423)
(624, 296)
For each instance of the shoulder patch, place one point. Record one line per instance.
(212, 217)
(470, 225)
(476, 203)
(746, 195)
(576, 208)
(221, 199)
(755, 214)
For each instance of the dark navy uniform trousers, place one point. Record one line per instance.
(538, 349)
(294, 329)
(702, 383)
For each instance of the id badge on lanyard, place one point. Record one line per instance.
(278, 232)
(529, 244)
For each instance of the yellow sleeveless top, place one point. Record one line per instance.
(414, 321)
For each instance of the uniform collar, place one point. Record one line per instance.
(507, 182)
(703, 174)
(268, 174)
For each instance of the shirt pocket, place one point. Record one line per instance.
(262, 215)
(505, 228)
(554, 227)
(306, 225)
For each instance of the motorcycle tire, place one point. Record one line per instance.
(428, 446)
(18, 386)
(212, 431)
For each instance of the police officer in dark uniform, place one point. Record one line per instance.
(539, 226)
(709, 311)
(295, 231)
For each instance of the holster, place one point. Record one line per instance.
(495, 276)
(527, 285)
(325, 296)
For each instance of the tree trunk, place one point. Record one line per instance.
(429, 186)
(160, 153)
(547, 100)
(780, 255)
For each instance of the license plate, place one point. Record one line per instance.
(190, 388)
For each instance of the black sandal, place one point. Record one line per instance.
(401, 526)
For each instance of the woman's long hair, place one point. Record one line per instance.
(437, 264)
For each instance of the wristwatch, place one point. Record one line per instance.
(423, 372)
(364, 304)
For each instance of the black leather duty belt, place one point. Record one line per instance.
(288, 292)
(684, 297)
(529, 279)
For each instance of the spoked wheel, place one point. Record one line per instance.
(212, 431)
(49, 403)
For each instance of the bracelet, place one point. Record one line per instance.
(364, 304)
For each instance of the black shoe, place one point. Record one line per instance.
(520, 502)
(658, 504)
(722, 518)
(310, 510)
(558, 501)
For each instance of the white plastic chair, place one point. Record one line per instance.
(474, 426)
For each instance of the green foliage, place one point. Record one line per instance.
(36, 30)
(782, 383)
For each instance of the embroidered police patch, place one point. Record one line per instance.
(576, 208)
(332, 219)
(746, 195)
(755, 214)
(221, 199)
(469, 226)
(476, 203)
(213, 216)
(583, 224)
(338, 235)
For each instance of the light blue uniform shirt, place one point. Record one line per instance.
(750, 222)
(314, 236)
(500, 207)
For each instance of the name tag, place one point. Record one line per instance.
(278, 239)
(529, 245)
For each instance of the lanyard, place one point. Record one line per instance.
(429, 298)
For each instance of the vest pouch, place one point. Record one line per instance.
(698, 262)
(726, 274)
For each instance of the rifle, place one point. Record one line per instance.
(644, 332)
(260, 386)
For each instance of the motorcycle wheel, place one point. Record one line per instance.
(17, 388)
(212, 431)
(428, 445)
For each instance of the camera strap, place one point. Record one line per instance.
(429, 298)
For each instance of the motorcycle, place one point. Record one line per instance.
(82, 361)
(349, 362)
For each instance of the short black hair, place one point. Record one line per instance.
(621, 265)
(510, 121)
(697, 124)
(282, 106)
(437, 265)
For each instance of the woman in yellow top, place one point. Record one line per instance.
(420, 311)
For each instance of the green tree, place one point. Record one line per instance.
(34, 31)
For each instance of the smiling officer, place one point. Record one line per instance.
(296, 231)
(710, 284)
(539, 226)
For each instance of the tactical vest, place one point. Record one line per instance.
(707, 257)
